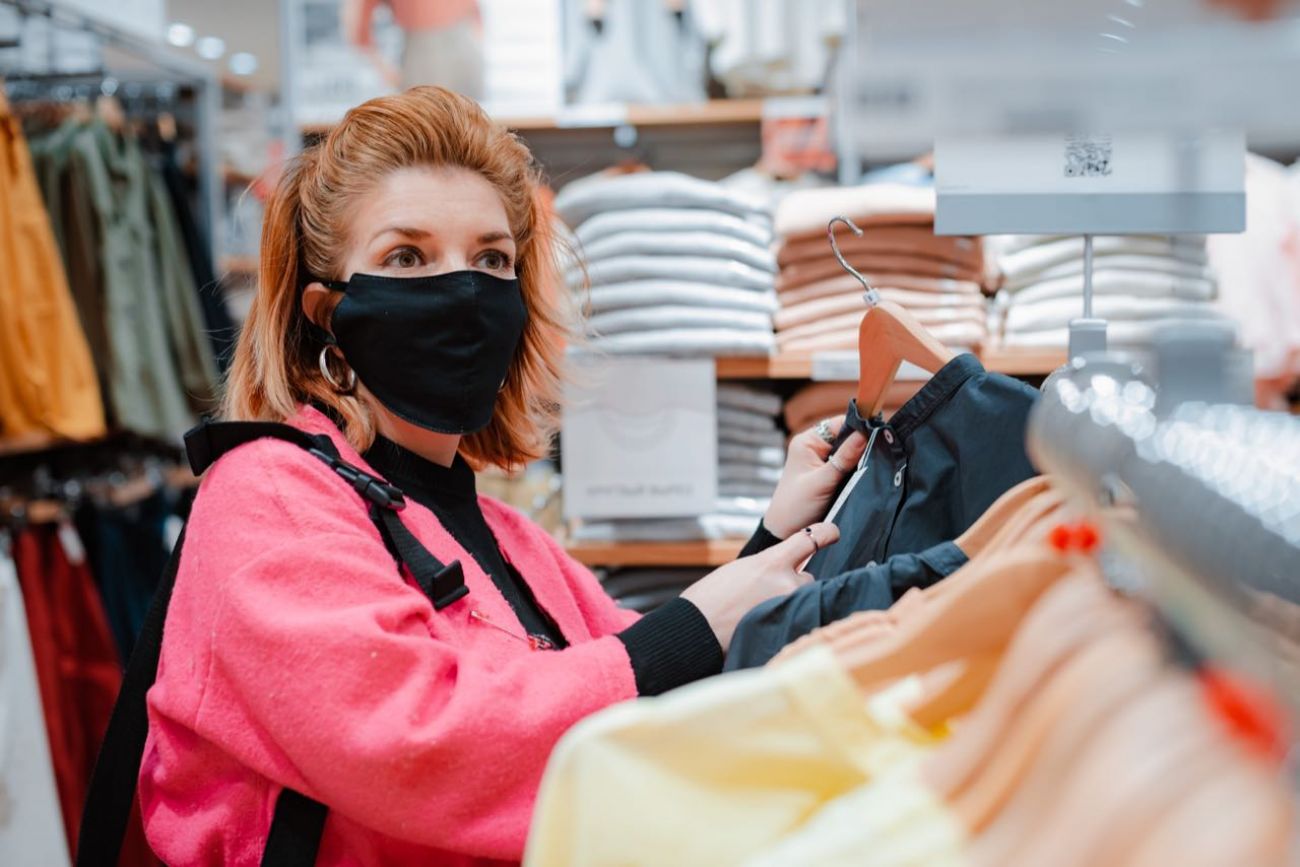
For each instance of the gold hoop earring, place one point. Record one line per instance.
(329, 377)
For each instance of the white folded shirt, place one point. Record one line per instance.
(587, 197)
(1057, 312)
(652, 293)
(1119, 335)
(738, 419)
(1137, 264)
(654, 220)
(767, 457)
(646, 319)
(695, 269)
(1033, 260)
(743, 472)
(687, 342)
(1131, 284)
(711, 526)
(751, 399)
(705, 244)
(751, 438)
(1003, 245)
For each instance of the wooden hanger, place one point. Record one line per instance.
(888, 336)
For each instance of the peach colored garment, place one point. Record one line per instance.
(801, 274)
(914, 285)
(820, 308)
(917, 241)
(831, 324)
(808, 211)
(960, 334)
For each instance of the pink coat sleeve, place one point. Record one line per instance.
(329, 675)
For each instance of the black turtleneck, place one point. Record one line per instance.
(668, 647)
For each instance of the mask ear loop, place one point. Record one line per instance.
(331, 343)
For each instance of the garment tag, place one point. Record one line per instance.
(71, 542)
(854, 479)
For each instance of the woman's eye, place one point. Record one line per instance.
(495, 260)
(404, 257)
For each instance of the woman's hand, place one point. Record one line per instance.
(809, 480)
(727, 594)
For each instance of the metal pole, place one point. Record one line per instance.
(1087, 276)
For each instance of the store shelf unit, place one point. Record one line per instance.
(1010, 361)
(701, 553)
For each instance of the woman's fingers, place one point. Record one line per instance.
(846, 457)
(795, 551)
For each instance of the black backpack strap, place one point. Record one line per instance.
(296, 829)
(298, 821)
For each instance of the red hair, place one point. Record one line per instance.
(305, 232)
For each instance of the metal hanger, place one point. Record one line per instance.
(870, 295)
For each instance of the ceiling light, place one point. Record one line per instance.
(180, 35)
(210, 47)
(243, 63)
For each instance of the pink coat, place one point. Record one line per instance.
(296, 655)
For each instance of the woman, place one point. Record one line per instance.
(403, 310)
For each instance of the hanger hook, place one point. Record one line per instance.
(870, 295)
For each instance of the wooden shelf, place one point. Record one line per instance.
(239, 265)
(702, 553)
(1010, 361)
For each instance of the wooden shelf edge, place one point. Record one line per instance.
(1021, 361)
(701, 553)
(1011, 361)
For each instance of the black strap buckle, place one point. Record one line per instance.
(374, 490)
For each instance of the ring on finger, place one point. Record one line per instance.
(824, 432)
(808, 531)
(836, 464)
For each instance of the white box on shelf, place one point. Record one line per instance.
(639, 438)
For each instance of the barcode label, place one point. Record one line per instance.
(1088, 156)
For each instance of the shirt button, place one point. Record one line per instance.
(889, 436)
(898, 478)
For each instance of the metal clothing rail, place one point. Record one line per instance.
(1210, 529)
(169, 66)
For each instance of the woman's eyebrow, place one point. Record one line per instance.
(490, 237)
(405, 231)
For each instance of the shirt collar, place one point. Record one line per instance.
(934, 394)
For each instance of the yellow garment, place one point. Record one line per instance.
(894, 821)
(715, 772)
(47, 378)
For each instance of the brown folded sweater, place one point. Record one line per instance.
(847, 283)
(803, 273)
(919, 241)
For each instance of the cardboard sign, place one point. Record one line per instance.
(639, 438)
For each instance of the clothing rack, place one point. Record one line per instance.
(161, 67)
(1210, 495)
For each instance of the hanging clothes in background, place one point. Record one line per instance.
(937, 279)
(773, 47)
(220, 326)
(676, 265)
(77, 664)
(1259, 277)
(648, 52)
(31, 829)
(751, 453)
(47, 377)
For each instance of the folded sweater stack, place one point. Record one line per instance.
(937, 278)
(676, 265)
(751, 453)
(1140, 283)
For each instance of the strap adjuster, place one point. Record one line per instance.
(373, 490)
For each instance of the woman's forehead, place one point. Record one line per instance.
(447, 202)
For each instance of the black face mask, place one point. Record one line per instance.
(433, 350)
